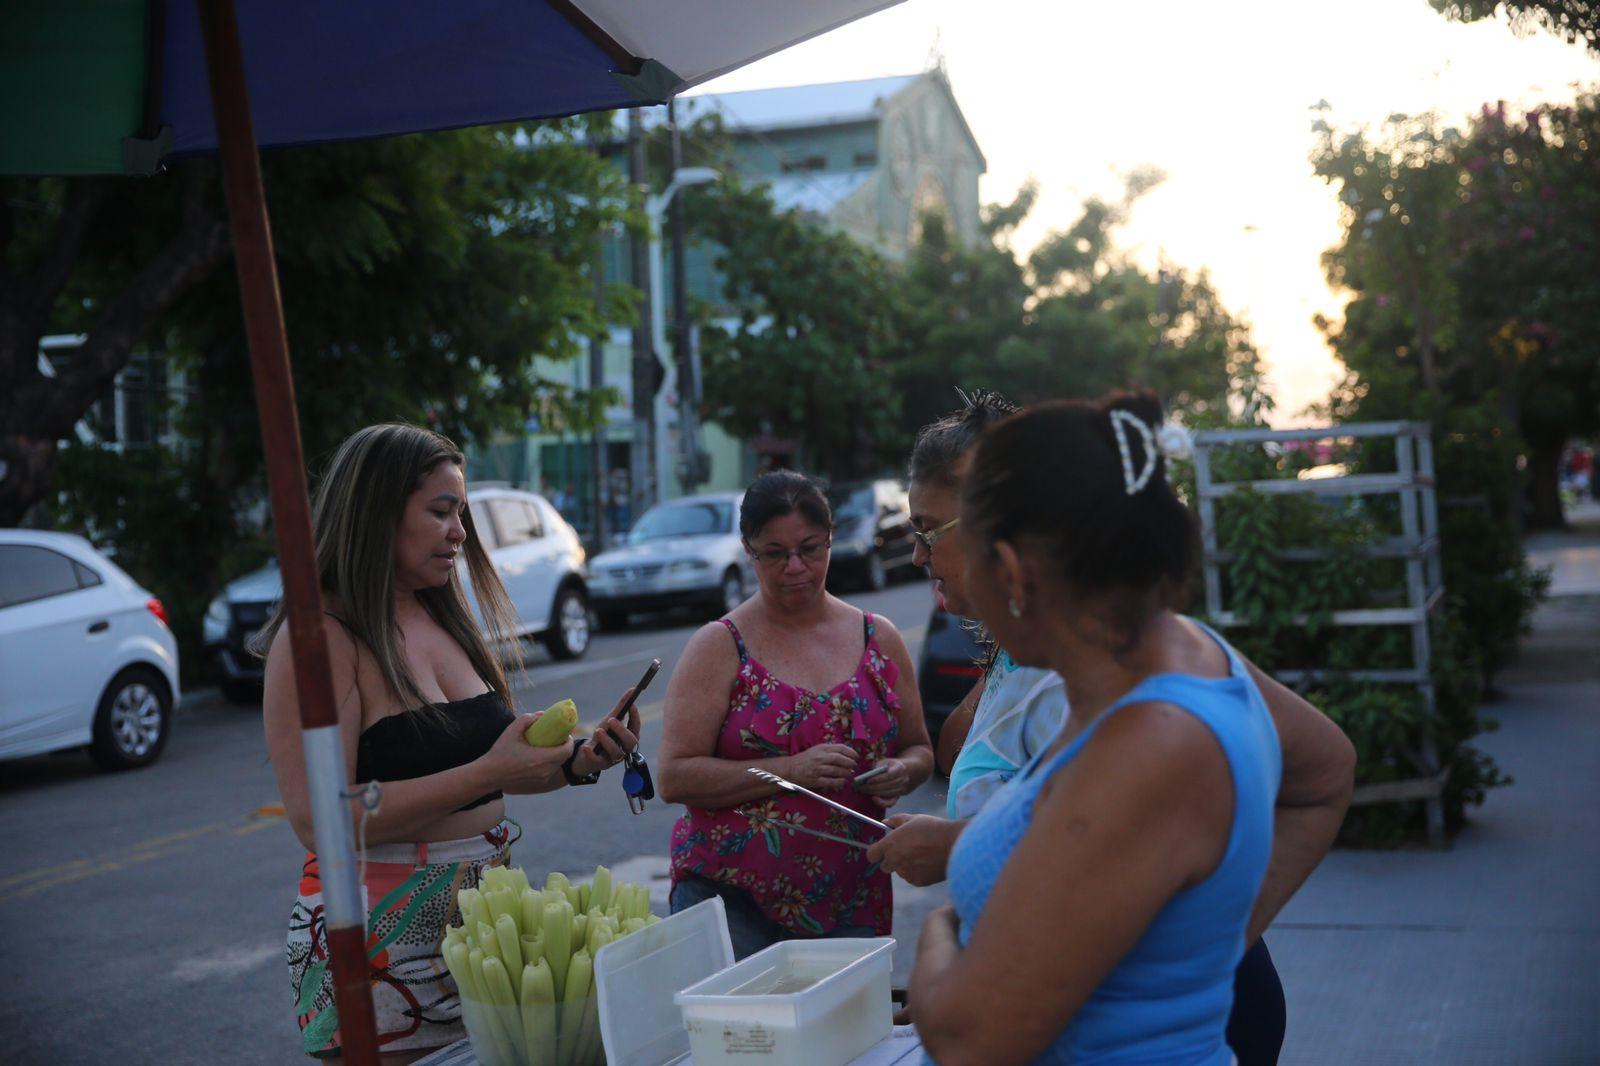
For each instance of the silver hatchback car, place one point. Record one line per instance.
(682, 553)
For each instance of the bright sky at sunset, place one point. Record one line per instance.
(1217, 94)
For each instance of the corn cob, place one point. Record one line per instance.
(585, 895)
(539, 1013)
(600, 890)
(457, 957)
(470, 904)
(484, 1007)
(502, 901)
(489, 941)
(589, 1044)
(553, 726)
(558, 943)
(505, 931)
(532, 906)
(505, 1007)
(574, 1001)
(580, 930)
(532, 947)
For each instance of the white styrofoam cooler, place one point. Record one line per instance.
(797, 1003)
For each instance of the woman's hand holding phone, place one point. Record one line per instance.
(888, 786)
(618, 733)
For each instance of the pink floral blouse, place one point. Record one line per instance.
(806, 884)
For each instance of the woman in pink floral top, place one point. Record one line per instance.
(762, 688)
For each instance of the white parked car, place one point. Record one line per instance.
(685, 552)
(86, 658)
(537, 552)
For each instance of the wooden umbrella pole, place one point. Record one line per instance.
(291, 512)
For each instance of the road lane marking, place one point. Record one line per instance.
(229, 962)
(23, 885)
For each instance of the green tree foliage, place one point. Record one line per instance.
(1078, 319)
(1571, 20)
(421, 276)
(817, 325)
(1469, 257)
(1527, 222)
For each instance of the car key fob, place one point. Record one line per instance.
(636, 782)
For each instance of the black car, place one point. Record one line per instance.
(950, 664)
(871, 533)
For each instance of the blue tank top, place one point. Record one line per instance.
(1167, 1000)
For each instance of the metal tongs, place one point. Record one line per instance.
(794, 827)
(790, 786)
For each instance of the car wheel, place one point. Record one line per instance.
(876, 575)
(133, 720)
(732, 590)
(568, 635)
(241, 691)
(611, 621)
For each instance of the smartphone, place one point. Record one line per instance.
(644, 683)
(881, 768)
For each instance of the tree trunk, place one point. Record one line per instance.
(1544, 486)
(35, 411)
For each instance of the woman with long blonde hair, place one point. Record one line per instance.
(424, 710)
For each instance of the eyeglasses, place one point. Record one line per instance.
(776, 557)
(933, 536)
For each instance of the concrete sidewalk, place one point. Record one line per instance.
(1488, 952)
(1573, 557)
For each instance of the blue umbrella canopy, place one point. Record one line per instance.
(116, 86)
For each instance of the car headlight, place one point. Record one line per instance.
(215, 626)
(689, 566)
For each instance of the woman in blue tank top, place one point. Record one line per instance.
(1103, 898)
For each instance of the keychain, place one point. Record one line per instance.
(636, 782)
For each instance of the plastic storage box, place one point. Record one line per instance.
(798, 1003)
(636, 976)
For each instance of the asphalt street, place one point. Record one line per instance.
(142, 915)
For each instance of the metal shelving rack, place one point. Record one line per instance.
(1417, 545)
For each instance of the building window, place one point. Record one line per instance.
(865, 159)
(810, 162)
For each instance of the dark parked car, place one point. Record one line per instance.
(871, 533)
(950, 664)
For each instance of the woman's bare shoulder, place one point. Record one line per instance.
(711, 645)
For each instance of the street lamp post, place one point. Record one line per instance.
(680, 373)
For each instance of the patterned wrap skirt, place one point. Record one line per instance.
(409, 892)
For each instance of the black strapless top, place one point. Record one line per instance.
(407, 745)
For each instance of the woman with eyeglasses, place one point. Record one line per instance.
(1013, 713)
(801, 684)
(1186, 799)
